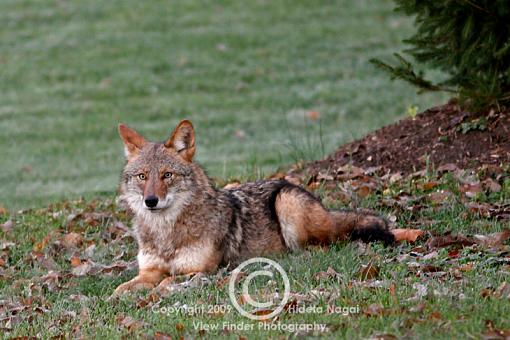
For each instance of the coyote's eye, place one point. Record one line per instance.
(167, 175)
(142, 177)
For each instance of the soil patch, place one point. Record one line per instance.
(438, 136)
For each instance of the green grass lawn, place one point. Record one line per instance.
(246, 73)
(419, 291)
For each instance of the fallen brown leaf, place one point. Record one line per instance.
(348, 171)
(448, 240)
(129, 322)
(222, 282)
(75, 261)
(88, 267)
(149, 301)
(392, 289)
(162, 336)
(374, 309)
(439, 197)
(38, 246)
(324, 177)
(291, 306)
(453, 254)
(7, 226)
(89, 251)
(4, 245)
(241, 300)
(431, 255)
(72, 240)
(494, 334)
(428, 185)
(372, 284)
(435, 315)
(466, 267)
(449, 167)
(417, 308)
(329, 273)
(494, 239)
(262, 311)
(421, 291)
(429, 268)
(78, 298)
(368, 272)
(363, 191)
(43, 259)
(491, 185)
(503, 291)
(82, 269)
(485, 292)
(471, 190)
(486, 210)
(118, 230)
(51, 280)
(385, 336)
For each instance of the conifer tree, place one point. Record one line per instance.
(467, 39)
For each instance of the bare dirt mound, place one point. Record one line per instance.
(438, 136)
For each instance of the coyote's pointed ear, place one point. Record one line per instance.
(133, 141)
(183, 140)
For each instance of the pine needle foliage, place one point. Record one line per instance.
(469, 40)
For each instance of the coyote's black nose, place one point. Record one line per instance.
(151, 201)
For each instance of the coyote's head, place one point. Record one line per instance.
(159, 178)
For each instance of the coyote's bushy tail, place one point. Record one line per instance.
(362, 225)
(304, 220)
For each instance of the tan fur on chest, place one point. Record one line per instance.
(197, 257)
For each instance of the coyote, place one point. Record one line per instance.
(185, 225)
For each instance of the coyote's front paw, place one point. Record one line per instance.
(173, 282)
(163, 285)
(132, 286)
(147, 278)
